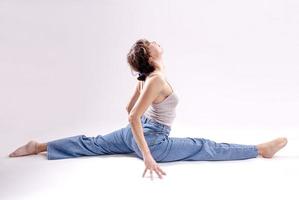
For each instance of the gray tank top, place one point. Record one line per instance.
(165, 111)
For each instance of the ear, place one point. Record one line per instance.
(151, 61)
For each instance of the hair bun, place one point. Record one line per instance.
(141, 76)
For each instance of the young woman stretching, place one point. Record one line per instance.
(151, 111)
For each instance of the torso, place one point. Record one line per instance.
(167, 89)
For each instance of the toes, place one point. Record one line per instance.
(12, 154)
(283, 142)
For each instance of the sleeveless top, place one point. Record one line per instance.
(165, 111)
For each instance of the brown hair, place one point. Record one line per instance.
(138, 59)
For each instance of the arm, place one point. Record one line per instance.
(133, 99)
(152, 89)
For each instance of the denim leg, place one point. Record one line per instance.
(81, 145)
(177, 149)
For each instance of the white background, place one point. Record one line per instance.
(63, 71)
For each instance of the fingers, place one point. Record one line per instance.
(153, 166)
(161, 171)
(151, 171)
(144, 172)
(158, 172)
(164, 173)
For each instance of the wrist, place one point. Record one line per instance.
(146, 153)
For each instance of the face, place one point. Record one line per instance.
(155, 50)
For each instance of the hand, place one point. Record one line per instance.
(151, 164)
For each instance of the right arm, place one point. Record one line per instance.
(152, 88)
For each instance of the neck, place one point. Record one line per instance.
(159, 64)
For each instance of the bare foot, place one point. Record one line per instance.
(28, 149)
(268, 149)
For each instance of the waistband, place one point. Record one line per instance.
(145, 119)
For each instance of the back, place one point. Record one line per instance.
(163, 111)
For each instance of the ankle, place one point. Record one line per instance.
(40, 147)
(260, 149)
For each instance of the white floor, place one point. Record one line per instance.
(119, 176)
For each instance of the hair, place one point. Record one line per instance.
(138, 59)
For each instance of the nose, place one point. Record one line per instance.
(156, 43)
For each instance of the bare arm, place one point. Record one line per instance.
(152, 89)
(133, 98)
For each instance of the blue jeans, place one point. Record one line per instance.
(163, 148)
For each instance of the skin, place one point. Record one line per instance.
(155, 89)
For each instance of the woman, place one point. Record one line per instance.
(151, 111)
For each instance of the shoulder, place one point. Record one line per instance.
(154, 80)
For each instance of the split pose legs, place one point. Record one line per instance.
(266, 150)
(163, 148)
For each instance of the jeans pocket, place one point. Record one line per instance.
(153, 138)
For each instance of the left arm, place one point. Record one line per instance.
(133, 98)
